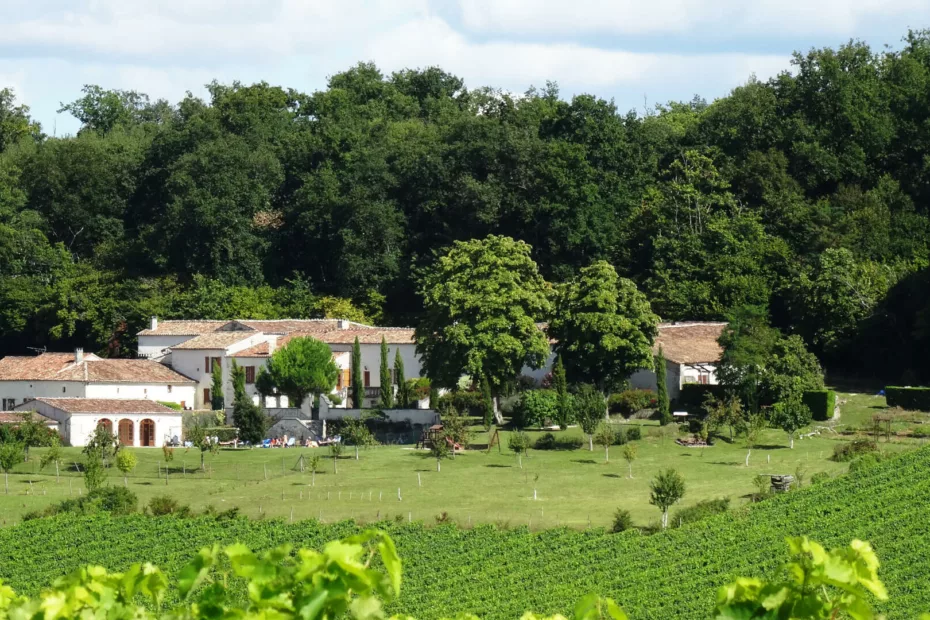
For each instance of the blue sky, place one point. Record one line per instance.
(633, 51)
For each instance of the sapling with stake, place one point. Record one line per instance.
(629, 455)
(604, 437)
(314, 465)
(335, 451)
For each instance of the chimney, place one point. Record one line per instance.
(154, 324)
(78, 355)
(272, 344)
(342, 324)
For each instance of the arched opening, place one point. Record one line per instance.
(106, 423)
(125, 432)
(147, 433)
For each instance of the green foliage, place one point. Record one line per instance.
(700, 511)
(605, 437)
(536, 408)
(518, 442)
(464, 402)
(94, 473)
(663, 407)
(565, 413)
(387, 389)
(693, 396)
(791, 415)
(881, 504)
(820, 584)
(456, 428)
(910, 398)
(548, 441)
(666, 488)
(11, 454)
(482, 299)
(302, 367)
(103, 443)
(357, 386)
(162, 505)
(634, 433)
(487, 403)
(603, 326)
(170, 405)
(622, 522)
(250, 420)
(117, 501)
(201, 437)
(821, 403)
(217, 400)
(589, 410)
(403, 391)
(629, 402)
(847, 451)
(126, 461)
(356, 433)
(237, 374)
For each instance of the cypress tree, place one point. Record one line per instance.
(217, 401)
(662, 404)
(560, 384)
(387, 390)
(403, 394)
(358, 389)
(488, 401)
(238, 378)
(433, 397)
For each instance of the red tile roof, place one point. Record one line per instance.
(262, 349)
(690, 343)
(183, 328)
(106, 405)
(62, 367)
(287, 326)
(15, 417)
(216, 340)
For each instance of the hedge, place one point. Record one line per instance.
(911, 398)
(693, 395)
(821, 403)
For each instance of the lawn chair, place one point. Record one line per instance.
(266, 443)
(291, 442)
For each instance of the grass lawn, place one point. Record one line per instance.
(573, 487)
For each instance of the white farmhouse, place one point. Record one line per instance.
(691, 355)
(136, 422)
(194, 348)
(80, 375)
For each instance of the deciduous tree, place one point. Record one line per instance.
(302, 367)
(667, 488)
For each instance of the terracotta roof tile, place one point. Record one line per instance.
(262, 349)
(15, 417)
(216, 340)
(62, 367)
(105, 405)
(287, 326)
(371, 335)
(183, 328)
(690, 343)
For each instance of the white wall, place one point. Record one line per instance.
(75, 428)
(371, 359)
(154, 346)
(189, 362)
(27, 390)
(180, 394)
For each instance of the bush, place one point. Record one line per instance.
(465, 403)
(162, 505)
(846, 452)
(819, 477)
(519, 442)
(693, 395)
(701, 510)
(821, 403)
(536, 408)
(549, 441)
(865, 461)
(620, 437)
(170, 405)
(920, 431)
(912, 398)
(116, 500)
(634, 433)
(623, 521)
(684, 427)
(629, 402)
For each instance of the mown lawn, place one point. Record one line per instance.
(573, 487)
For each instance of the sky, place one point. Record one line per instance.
(636, 52)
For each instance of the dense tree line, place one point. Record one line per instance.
(806, 194)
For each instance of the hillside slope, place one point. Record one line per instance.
(499, 574)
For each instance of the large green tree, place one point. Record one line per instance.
(603, 327)
(303, 367)
(482, 301)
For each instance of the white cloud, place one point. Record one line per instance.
(726, 17)
(515, 66)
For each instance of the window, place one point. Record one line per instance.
(367, 378)
(206, 397)
(64, 389)
(704, 378)
(206, 363)
(9, 403)
(169, 389)
(250, 374)
(209, 363)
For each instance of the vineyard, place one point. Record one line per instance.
(500, 573)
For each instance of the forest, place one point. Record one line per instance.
(807, 194)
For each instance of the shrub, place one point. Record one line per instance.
(865, 461)
(162, 505)
(549, 441)
(116, 500)
(920, 431)
(418, 388)
(912, 398)
(623, 521)
(629, 402)
(634, 433)
(684, 427)
(620, 437)
(170, 405)
(819, 477)
(846, 452)
(701, 510)
(536, 408)
(466, 403)
(693, 396)
(519, 442)
(821, 403)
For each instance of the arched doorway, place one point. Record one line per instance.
(147, 433)
(125, 432)
(106, 423)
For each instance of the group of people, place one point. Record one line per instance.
(285, 442)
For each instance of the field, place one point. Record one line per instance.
(572, 487)
(498, 573)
